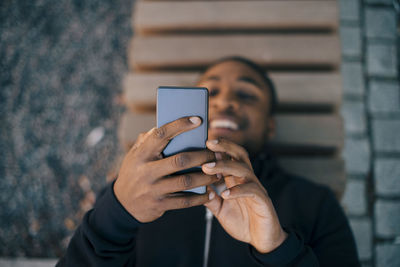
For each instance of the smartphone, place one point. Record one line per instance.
(177, 102)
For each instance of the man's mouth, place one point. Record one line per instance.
(224, 124)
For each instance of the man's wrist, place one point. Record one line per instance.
(283, 254)
(110, 220)
(274, 245)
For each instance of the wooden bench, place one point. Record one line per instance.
(296, 41)
(301, 91)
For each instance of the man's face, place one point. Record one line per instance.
(238, 105)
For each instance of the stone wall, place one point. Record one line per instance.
(371, 109)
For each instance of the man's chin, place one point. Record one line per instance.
(237, 137)
(234, 136)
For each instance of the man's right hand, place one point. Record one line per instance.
(145, 185)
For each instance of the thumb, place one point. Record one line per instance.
(215, 203)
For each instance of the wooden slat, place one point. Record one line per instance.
(330, 172)
(274, 50)
(294, 89)
(323, 89)
(131, 125)
(172, 16)
(304, 133)
(313, 131)
(140, 88)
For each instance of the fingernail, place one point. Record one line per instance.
(226, 193)
(214, 141)
(218, 156)
(219, 176)
(195, 120)
(210, 165)
(211, 195)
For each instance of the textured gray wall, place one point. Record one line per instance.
(371, 109)
(61, 67)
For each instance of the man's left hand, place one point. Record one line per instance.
(244, 209)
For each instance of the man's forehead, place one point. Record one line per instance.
(232, 70)
(243, 78)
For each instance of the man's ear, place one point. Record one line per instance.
(271, 128)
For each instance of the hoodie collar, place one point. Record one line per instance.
(264, 164)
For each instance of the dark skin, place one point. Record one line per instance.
(146, 188)
(238, 93)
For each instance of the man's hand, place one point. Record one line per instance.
(144, 185)
(245, 210)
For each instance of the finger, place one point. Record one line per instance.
(179, 162)
(184, 182)
(221, 156)
(131, 146)
(215, 202)
(228, 167)
(247, 190)
(235, 151)
(141, 137)
(231, 181)
(184, 201)
(158, 138)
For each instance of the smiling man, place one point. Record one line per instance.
(241, 103)
(256, 214)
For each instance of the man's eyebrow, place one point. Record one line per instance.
(250, 80)
(211, 78)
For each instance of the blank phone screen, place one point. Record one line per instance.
(177, 102)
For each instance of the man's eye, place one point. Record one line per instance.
(213, 92)
(246, 96)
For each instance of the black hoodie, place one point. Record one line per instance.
(319, 233)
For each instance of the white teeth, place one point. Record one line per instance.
(224, 124)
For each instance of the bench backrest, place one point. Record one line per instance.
(297, 41)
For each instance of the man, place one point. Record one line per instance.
(263, 216)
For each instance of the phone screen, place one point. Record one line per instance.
(177, 102)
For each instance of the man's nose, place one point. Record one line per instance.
(224, 101)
